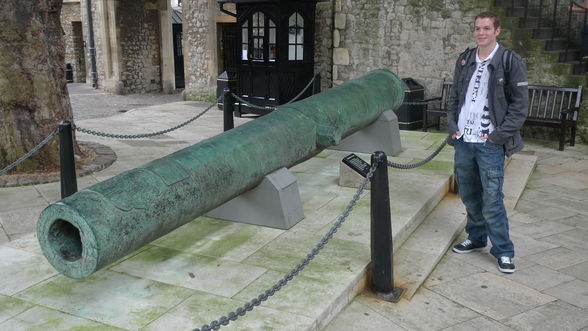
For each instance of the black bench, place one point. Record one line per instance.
(549, 106)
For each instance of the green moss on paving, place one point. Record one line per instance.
(437, 165)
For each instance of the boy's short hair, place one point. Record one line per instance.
(495, 19)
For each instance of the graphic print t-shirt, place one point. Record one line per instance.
(474, 118)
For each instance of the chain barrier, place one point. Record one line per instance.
(249, 104)
(146, 135)
(420, 163)
(419, 103)
(301, 92)
(241, 311)
(31, 152)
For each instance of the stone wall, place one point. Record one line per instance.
(97, 26)
(199, 39)
(413, 38)
(74, 49)
(127, 42)
(138, 24)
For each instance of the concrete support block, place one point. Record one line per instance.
(341, 56)
(382, 135)
(275, 203)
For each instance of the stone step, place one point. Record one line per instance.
(421, 252)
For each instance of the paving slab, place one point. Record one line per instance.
(450, 268)
(10, 307)
(491, 295)
(304, 296)
(40, 318)
(574, 292)
(27, 243)
(358, 317)
(426, 311)
(558, 258)
(218, 238)
(108, 297)
(579, 271)
(202, 308)
(578, 221)
(573, 239)
(21, 269)
(541, 229)
(20, 222)
(525, 245)
(539, 277)
(12, 198)
(557, 315)
(479, 323)
(338, 260)
(541, 212)
(198, 272)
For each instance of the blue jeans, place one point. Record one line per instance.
(479, 170)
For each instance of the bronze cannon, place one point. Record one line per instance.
(102, 223)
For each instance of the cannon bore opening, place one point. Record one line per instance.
(65, 240)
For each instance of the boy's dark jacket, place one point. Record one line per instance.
(508, 98)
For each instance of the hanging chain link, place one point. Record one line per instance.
(270, 108)
(241, 311)
(249, 104)
(31, 152)
(419, 103)
(301, 92)
(420, 163)
(146, 135)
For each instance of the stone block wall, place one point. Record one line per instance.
(138, 24)
(413, 38)
(135, 35)
(72, 29)
(199, 39)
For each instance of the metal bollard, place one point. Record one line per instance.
(381, 233)
(316, 84)
(228, 107)
(69, 184)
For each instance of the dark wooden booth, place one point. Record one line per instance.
(269, 55)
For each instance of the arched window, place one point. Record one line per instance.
(295, 37)
(258, 39)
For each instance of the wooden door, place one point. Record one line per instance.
(258, 80)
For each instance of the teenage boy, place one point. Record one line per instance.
(488, 107)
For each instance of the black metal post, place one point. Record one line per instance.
(228, 107)
(381, 233)
(316, 84)
(69, 184)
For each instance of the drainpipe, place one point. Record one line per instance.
(91, 47)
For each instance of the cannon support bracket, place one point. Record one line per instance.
(382, 135)
(274, 203)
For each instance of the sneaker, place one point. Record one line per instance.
(467, 246)
(505, 265)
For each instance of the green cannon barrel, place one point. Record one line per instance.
(102, 223)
